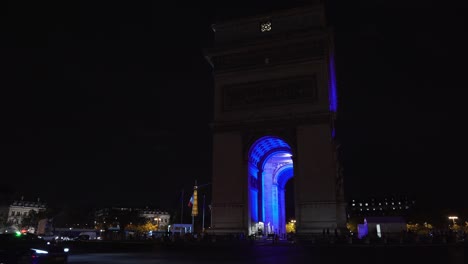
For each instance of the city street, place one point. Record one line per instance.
(281, 253)
(257, 254)
(121, 258)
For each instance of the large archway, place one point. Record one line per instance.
(293, 95)
(270, 166)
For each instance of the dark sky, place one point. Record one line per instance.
(111, 103)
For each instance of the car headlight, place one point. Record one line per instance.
(39, 251)
(66, 250)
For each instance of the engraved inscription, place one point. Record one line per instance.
(315, 49)
(272, 92)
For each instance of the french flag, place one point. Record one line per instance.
(190, 203)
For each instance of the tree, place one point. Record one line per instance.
(32, 218)
(127, 218)
(420, 229)
(148, 226)
(456, 227)
(162, 227)
(141, 228)
(353, 223)
(3, 219)
(291, 227)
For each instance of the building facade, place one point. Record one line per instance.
(381, 206)
(161, 218)
(274, 114)
(18, 210)
(115, 217)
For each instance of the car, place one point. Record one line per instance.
(27, 248)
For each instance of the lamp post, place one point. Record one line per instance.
(203, 219)
(194, 204)
(453, 218)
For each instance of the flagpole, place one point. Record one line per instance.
(182, 207)
(195, 204)
(203, 218)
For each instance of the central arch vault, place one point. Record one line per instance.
(270, 168)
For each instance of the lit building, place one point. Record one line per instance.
(112, 217)
(21, 209)
(384, 206)
(378, 226)
(161, 218)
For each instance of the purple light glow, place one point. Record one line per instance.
(333, 93)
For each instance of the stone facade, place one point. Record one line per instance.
(273, 78)
(162, 218)
(20, 209)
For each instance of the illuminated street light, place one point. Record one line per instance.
(453, 218)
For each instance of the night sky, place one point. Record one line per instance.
(108, 104)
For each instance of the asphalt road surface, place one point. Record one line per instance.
(273, 254)
(265, 254)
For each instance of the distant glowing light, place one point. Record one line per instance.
(333, 89)
(379, 233)
(39, 251)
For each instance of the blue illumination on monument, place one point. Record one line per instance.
(271, 156)
(253, 171)
(283, 175)
(264, 146)
(333, 90)
(254, 205)
(274, 207)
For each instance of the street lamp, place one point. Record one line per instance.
(453, 218)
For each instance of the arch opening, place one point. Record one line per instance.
(270, 167)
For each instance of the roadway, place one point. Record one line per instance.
(281, 253)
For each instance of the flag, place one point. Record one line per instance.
(190, 202)
(194, 202)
